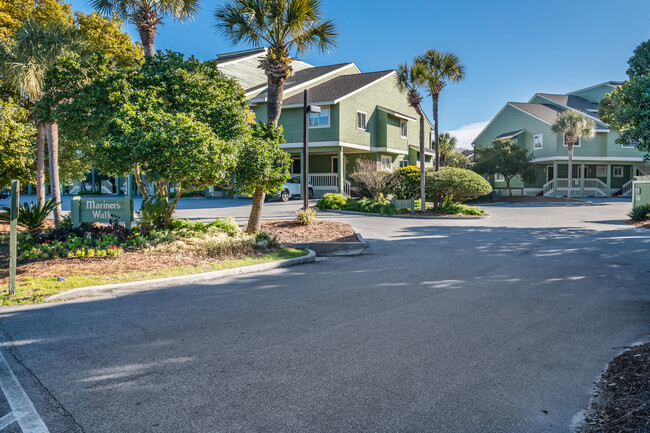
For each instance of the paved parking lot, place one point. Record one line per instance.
(500, 324)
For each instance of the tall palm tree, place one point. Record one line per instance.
(447, 145)
(283, 26)
(573, 126)
(147, 15)
(23, 66)
(410, 79)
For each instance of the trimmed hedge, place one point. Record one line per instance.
(341, 202)
(456, 184)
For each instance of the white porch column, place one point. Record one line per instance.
(609, 180)
(555, 175)
(582, 180)
(340, 169)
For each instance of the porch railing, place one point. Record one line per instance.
(593, 187)
(626, 189)
(327, 182)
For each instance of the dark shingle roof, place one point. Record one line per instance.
(305, 75)
(337, 87)
(227, 57)
(546, 112)
(572, 101)
(509, 135)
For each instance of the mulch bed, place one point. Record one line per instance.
(644, 224)
(290, 231)
(4, 227)
(622, 400)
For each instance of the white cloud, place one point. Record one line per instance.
(467, 133)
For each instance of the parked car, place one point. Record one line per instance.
(292, 188)
(3, 194)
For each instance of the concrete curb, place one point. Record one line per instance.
(416, 216)
(334, 248)
(183, 279)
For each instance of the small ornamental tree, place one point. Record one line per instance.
(506, 158)
(573, 126)
(456, 184)
(262, 166)
(376, 182)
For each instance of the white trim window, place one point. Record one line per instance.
(386, 163)
(617, 171)
(578, 144)
(499, 178)
(403, 129)
(362, 120)
(632, 144)
(404, 163)
(320, 120)
(538, 141)
(601, 171)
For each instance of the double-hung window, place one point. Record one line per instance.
(361, 120)
(386, 163)
(576, 144)
(403, 129)
(320, 120)
(538, 141)
(601, 171)
(617, 171)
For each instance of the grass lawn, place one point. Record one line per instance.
(32, 291)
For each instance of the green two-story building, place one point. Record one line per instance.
(363, 115)
(601, 166)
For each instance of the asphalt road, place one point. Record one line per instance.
(492, 325)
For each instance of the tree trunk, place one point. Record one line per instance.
(570, 174)
(138, 181)
(52, 132)
(172, 206)
(508, 186)
(40, 165)
(146, 19)
(423, 198)
(255, 219)
(92, 180)
(436, 98)
(274, 103)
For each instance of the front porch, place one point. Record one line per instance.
(592, 179)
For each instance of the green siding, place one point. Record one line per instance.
(596, 94)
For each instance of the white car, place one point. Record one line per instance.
(292, 188)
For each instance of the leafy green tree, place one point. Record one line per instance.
(440, 68)
(17, 136)
(283, 25)
(147, 15)
(14, 13)
(627, 108)
(639, 63)
(505, 157)
(410, 78)
(573, 126)
(106, 36)
(171, 119)
(262, 166)
(457, 159)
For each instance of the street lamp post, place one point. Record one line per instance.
(307, 109)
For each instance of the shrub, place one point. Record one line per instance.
(451, 208)
(265, 240)
(30, 215)
(456, 184)
(408, 183)
(332, 201)
(307, 216)
(228, 225)
(640, 213)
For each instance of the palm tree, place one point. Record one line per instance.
(441, 67)
(447, 146)
(284, 26)
(573, 126)
(23, 66)
(409, 80)
(147, 15)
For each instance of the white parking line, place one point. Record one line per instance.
(22, 408)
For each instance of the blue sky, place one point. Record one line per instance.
(511, 49)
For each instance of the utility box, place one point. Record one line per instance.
(640, 191)
(100, 209)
